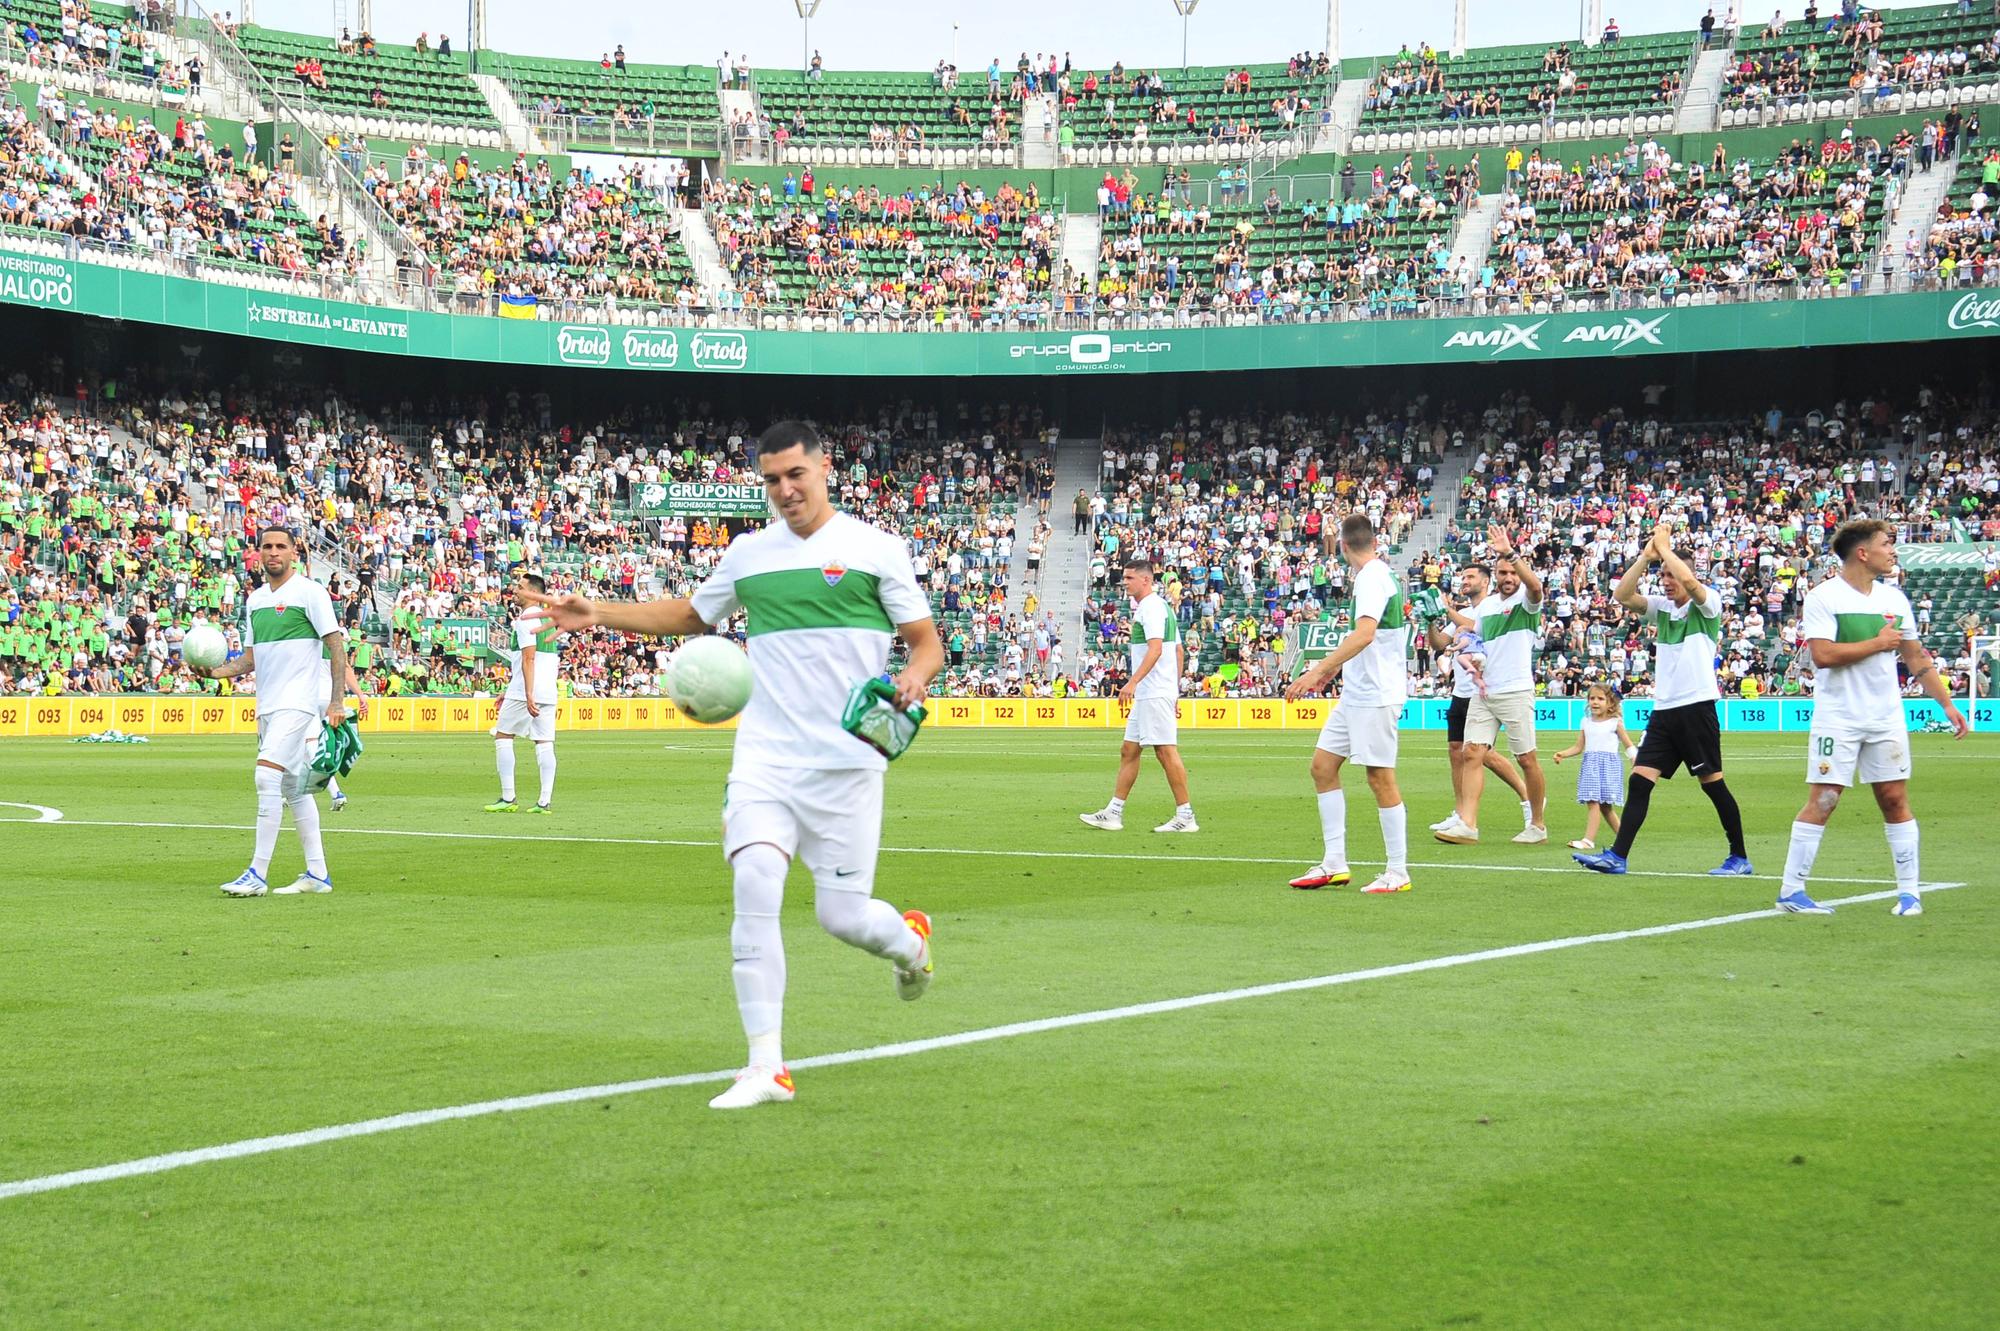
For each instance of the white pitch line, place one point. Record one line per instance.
(237, 1150)
(1567, 870)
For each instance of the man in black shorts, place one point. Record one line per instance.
(1472, 586)
(1684, 731)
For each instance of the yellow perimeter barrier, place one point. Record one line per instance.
(196, 715)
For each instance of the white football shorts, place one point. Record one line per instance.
(1364, 735)
(1836, 759)
(829, 819)
(289, 739)
(514, 720)
(1153, 721)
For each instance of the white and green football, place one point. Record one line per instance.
(709, 679)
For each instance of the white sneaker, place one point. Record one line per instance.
(757, 1085)
(1531, 836)
(1180, 822)
(249, 883)
(1456, 833)
(305, 882)
(1445, 821)
(1105, 819)
(1386, 882)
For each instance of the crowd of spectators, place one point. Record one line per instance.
(128, 513)
(1638, 225)
(527, 230)
(1856, 66)
(940, 254)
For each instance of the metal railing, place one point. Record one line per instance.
(829, 151)
(637, 134)
(430, 291)
(350, 198)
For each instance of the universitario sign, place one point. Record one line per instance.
(101, 291)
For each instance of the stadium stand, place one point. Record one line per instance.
(1881, 59)
(359, 75)
(1643, 225)
(567, 94)
(1427, 88)
(528, 233)
(864, 254)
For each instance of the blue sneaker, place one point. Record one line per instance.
(1604, 861)
(305, 882)
(249, 883)
(1907, 903)
(1798, 903)
(1733, 867)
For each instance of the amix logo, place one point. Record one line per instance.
(652, 350)
(1087, 349)
(720, 351)
(1527, 337)
(583, 346)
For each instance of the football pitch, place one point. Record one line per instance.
(1151, 1086)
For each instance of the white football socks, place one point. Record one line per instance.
(545, 762)
(758, 948)
(503, 759)
(1333, 828)
(1395, 837)
(305, 818)
(270, 815)
(1799, 858)
(1116, 806)
(1527, 813)
(1903, 851)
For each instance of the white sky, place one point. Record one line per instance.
(915, 34)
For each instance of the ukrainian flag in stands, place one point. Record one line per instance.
(517, 307)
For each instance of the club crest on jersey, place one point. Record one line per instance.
(833, 571)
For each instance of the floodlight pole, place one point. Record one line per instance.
(364, 14)
(475, 28)
(1186, 10)
(806, 8)
(1593, 26)
(1458, 28)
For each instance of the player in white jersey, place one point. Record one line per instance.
(1684, 731)
(293, 644)
(824, 595)
(1152, 691)
(1473, 585)
(529, 707)
(1510, 620)
(1856, 626)
(1374, 657)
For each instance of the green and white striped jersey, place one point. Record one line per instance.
(285, 625)
(821, 613)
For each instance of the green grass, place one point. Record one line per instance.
(1774, 1123)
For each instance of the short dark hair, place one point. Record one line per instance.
(536, 580)
(279, 528)
(790, 434)
(1356, 531)
(1145, 566)
(1854, 533)
(1685, 554)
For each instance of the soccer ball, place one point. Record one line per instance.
(709, 679)
(204, 646)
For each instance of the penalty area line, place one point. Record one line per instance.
(289, 1141)
(1567, 870)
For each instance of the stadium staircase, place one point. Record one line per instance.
(710, 273)
(1916, 209)
(1082, 233)
(1701, 100)
(1475, 236)
(734, 102)
(519, 135)
(1039, 152)
(1066, 563)
(1337, 132)
(1448, 475)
